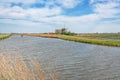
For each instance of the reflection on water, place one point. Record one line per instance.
(74, 61)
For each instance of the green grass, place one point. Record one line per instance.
(92, 39)
(4, 36)
(103, 36)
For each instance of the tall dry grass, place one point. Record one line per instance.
(16, 68)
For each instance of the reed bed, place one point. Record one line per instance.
(42, 35)
(16, 68)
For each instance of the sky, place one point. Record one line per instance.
(40, 16)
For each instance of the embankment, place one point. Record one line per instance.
(98, 41)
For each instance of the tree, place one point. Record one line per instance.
(58, 31)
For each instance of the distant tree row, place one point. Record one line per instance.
(64, 31)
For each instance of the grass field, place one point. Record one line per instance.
(104, 36)
(107, 39)
(4, 36)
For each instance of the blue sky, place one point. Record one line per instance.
(39, 16)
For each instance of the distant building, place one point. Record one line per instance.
(63, 30)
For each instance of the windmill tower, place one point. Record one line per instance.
(63, 30)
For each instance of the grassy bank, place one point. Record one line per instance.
(4, 36)
(99, 39)
(16, 68)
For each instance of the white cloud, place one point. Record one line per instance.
(85, 18)
(44, 12)
(107, 10)
(24, 26)
(61, 3)
(106, 27)
(4, 5)
(14, 12)
(61, 20)
(18, 1)
(103, 1)
(20, 13)
(52, 17)
(69, 3)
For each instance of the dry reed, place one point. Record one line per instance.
(16, 68)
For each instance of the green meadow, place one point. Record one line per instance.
(111, 39)
(4, 36)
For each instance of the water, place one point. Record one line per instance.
(74, 61)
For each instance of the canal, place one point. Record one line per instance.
(73, 61)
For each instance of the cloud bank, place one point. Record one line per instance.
(47, 15)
